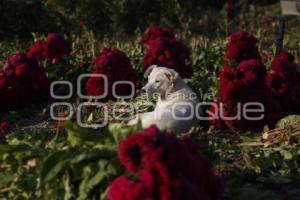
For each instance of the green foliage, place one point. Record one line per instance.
(207, 61)
(254, 172)
(288, 120)
(77, 163)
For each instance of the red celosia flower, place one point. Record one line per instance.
(252, 73)
(291, 101)
(284, 63)
(240, 89)
(285, 90)
(132, 150)
(22, 81)
(243, 84)
(241, 46)
(234, 81)
(278, 91)
(153, 33)
(124, 188)
(37, 50)
(56, 47)
(229, 6)
(164, 50)
(167, 168)
(271, 114)
(4, 127)
(115, 65)
(14, 61)
(228, 74)
(232, 92)
(286, 56)
(169, 53)
(284, 81)
(277, 83)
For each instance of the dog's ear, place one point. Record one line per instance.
(149, 70)
(171, 75)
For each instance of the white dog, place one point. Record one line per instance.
(176, 106)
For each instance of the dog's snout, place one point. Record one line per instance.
(147, 89)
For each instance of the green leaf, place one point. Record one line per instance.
(6, 148)
(93, 155)
(120, 131)
(287, 155)
(89, 183)
(6, 178)
(78, 135)
(53, 165)
(288, 120)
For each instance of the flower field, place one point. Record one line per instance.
(46, 154)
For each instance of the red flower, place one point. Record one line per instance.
(230, 86)
(241, 46)
(235, 81)
(56, 47)
(153, 33)
(277, 91)
(131, 151)
(285, 90)
(169, 53)
(291, 101)
(277, 83)
(167, 168)
(123, 188)
(22, 82)
(16, 60)
(232, 92)
(286, 56)
(229, 5)
(115, 65)
(23, 72)
(284, 82)
(244, 84)
(37, 50)
(284, 63)
(271, 114)
(4, 127)
(252, 73)
(95, 85)
(164, 50)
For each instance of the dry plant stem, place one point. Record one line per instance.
(276, 136)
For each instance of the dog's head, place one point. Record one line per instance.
(161, 80)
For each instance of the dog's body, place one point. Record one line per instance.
(175, 110)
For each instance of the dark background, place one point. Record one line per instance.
(21, 18)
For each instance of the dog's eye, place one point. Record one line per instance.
(157, 81)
